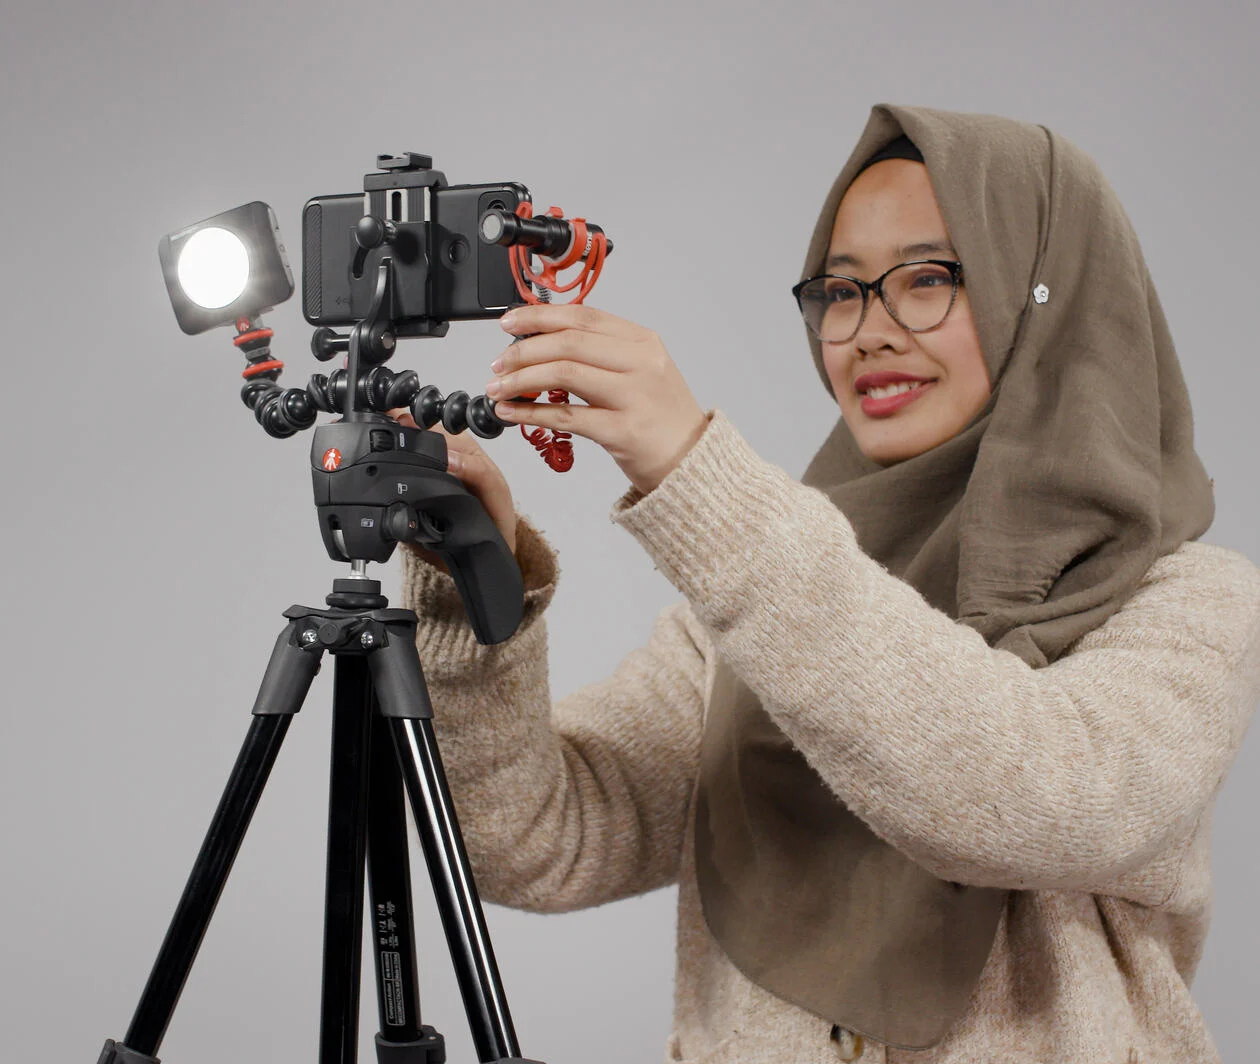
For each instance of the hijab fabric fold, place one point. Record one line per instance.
(1032, 525)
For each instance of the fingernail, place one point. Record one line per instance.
(497, 364)
(493, 389)
(454, 462)
(508, 319)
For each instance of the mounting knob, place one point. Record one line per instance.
(372, 232)
(327, 344)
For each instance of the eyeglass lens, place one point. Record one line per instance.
(919, 295)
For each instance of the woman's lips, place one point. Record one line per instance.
(884, 407)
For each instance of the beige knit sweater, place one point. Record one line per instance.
(1086, 787)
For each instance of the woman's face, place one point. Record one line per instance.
(888, 216)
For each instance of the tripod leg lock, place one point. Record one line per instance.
(431, 1049)
(289, 675)
(117, 1053)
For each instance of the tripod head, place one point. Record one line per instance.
(378, 483)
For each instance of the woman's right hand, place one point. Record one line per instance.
(480, 476)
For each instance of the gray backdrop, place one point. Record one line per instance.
(153, 534)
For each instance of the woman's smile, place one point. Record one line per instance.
(881, 402)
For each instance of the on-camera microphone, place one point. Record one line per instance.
(546, 236)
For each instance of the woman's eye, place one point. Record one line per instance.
(932, 277)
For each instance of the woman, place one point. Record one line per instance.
(932, 742)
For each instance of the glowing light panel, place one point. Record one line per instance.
(213, 267)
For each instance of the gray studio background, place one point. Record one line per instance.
(152, 534)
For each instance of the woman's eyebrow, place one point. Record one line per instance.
(925, 247)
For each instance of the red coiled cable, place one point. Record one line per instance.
(556, 446)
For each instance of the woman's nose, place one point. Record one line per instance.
(879, 328)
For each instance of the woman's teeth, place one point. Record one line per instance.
(893, 389)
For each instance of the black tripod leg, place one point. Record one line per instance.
(403, 1039)
(458, 903)
(404, 700)
(389, 886)
(347, 843)
(284, 687)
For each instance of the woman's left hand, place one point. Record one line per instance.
(638, 407)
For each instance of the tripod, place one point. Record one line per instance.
(382, 744)
(377, 483)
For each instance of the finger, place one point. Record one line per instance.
(476, 468)
(403, 416)
(486, 481)
(588, 421)
(543, 317)
(594, 349)
(594, 386)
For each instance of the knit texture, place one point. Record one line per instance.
(1085, 787)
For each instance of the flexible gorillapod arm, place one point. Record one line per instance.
(559, 244)
(283, 412)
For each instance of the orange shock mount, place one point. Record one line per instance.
(590, 246)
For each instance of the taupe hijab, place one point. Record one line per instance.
(1033, 525)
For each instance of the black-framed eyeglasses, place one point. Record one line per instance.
(918, 295)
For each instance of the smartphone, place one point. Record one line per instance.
(471, 279)
(443, 272)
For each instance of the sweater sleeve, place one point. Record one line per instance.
(976, 766)
(566, 805)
